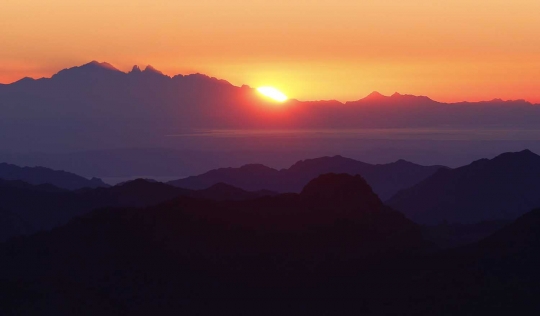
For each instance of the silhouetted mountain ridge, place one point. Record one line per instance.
(41, 175)
(28, 209)
(386, 179)
(284, 254)
(504, 187)
(143, 105)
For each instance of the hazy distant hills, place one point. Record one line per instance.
(27, 209)
(504, 187)
(97, 106)
(385, 179)
(41, 175)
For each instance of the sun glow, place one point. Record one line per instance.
(273, 94)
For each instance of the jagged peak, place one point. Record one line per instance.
(135, 69)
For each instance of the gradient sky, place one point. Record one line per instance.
(450, 50)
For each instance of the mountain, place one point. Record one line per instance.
(224, 192)
(287, 254)
(41, 175)
(386, 179)
(505, 266)
(27, 209)
(446, 235)
(516, 241)
(333, 248)
(97, 106)
(193, 256)
(341, 192)
(504, 187)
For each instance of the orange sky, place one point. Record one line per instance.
(449, 50)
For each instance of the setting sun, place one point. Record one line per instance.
(273, 94)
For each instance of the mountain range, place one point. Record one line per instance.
(385, 179)
(504, 187)
(96, 106)
(486, 192)
(27, 209)
(284, 254)
(185, 250)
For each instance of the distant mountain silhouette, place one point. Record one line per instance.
(386, 179)
(41, 175)
(501, 188)
(28, 209)
(97, 106)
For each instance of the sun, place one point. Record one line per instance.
(273, 94)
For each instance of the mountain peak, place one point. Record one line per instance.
(520, 155)
(342, 192)
(375, 96)
(25, 80)
(136, 69)
(96, 64)
(150, 69)
(403, 162)
(93, 67)
(527, 152)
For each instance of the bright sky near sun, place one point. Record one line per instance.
(321, 49)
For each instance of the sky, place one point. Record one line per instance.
(450, 50)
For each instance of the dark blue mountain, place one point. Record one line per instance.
(504, 187)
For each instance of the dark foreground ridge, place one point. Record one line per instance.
(332, 249)
(173, 257)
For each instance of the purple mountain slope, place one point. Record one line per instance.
(504, 187)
